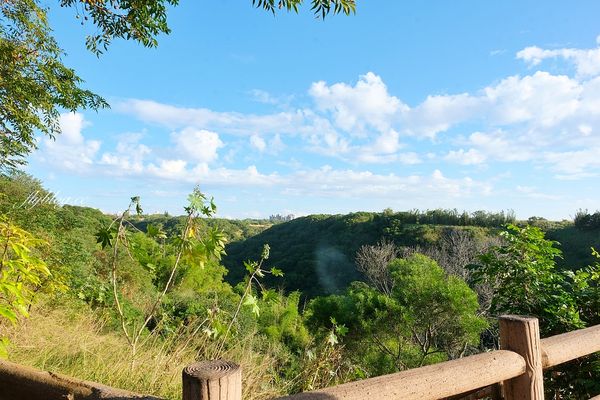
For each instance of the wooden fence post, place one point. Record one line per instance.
(212, 380)
(522, 335)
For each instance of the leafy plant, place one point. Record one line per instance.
(22, 273)
(427, 317)
(523, 277)
(248, 298)
(525, 281)
(192, 246)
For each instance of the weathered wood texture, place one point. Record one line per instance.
(522, 335)
(18, 382)
(428, 383)
(493, 392)
(212, 380)
(569, 346)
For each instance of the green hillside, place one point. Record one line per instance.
(317, 252)
(576, 245)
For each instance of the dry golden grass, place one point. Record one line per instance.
(76, 343)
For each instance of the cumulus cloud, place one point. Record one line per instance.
(542, 99)
(128, 156)
(438, 113)
(354, 108)
(70, 151)
(198, 145)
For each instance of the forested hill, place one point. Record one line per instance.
(317, 252)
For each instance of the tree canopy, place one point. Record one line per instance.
(35, 85)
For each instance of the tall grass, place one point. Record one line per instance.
(75, 342)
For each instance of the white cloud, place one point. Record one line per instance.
(574, 164)
(586, 61)
(258, 143)
(70, 151)
(329, 182)
(233, 123)
(128, 157)
(410, 158)
(198, 145)
(469, 157)
(532, 193)
(386, 143)
(264, 97)
(276, 144)
(170, 169)
(178, 171)
(382, 150)
(542, 99)
(439, 113)
(355, 108)
(500, 146)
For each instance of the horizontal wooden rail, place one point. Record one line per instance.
(18, 382)
(557, 350)
(569, 346)
(428, 383)
(450, 379)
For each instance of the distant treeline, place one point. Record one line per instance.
(454, 217)
(585, 221)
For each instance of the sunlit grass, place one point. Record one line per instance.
(76, 343)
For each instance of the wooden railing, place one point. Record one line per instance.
(512, 373)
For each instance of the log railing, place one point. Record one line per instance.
(512, 373)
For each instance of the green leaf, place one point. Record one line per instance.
(332, 339)
(4, 342)
(269, 295)
(104, 237)
(341, 330)
(8, 314)
(250, 266)
(252, 302)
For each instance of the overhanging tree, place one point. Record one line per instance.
(35, 85)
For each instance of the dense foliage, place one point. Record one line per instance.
(525, 281)
(154, 287)
(428, 317)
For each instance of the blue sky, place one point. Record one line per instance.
(408, 104)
